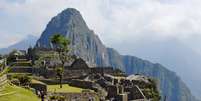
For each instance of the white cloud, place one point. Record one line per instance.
(114, 19)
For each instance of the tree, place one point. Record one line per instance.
(12, 56)
(1, 56)
(59, 72)
(61, 45)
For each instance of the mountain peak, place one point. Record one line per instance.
(71, 11)
(70, 17)
(68, 23)
(87, 45)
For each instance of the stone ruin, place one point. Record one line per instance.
(106, 82)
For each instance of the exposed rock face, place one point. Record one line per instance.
(87, 45)
(83, 40)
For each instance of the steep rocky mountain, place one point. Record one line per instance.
(28, 41)
(86, 44)
(174, 55)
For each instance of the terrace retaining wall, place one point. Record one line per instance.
(3, 80)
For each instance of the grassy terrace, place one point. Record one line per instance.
(15, 93)
(22, 63)
(65, 88)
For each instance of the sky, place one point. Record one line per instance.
(117, 22)
(126, 19)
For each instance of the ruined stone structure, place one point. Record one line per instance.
(108, 83)
(85, 96)
(2, 64)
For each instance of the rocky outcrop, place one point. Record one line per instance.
(86, 44)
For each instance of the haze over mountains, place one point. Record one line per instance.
(173, 54)
(28, 41)
(86, 42)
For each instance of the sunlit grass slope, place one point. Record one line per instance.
(15, 93)
(65, 88)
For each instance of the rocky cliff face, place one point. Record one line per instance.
(85, 44)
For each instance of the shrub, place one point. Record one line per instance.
(57, 98)
(53, 97)
(15, 81)
(23, 79)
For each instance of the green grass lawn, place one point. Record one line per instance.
(65, 88)
(17, 94)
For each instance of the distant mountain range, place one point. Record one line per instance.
(86, 44)
(174, 55)
(30, 40)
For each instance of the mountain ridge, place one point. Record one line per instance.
(28, 41)
(175, 55)
(86, 44)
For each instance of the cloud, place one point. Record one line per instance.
(115, 21)
(125, 19)
(16, 1)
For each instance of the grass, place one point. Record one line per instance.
(22, 63)
(29, 74)
(65, 88)
(15, 93)
(36, 81)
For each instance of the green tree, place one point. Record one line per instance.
(60, 72)
(1, 56)
(12, 56)
(61, 45)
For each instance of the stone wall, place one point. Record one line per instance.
(134, 93)
(2, 64)
(39, 87)
(84, 96)
(82, 84)
(3, 80)
(21, 70)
